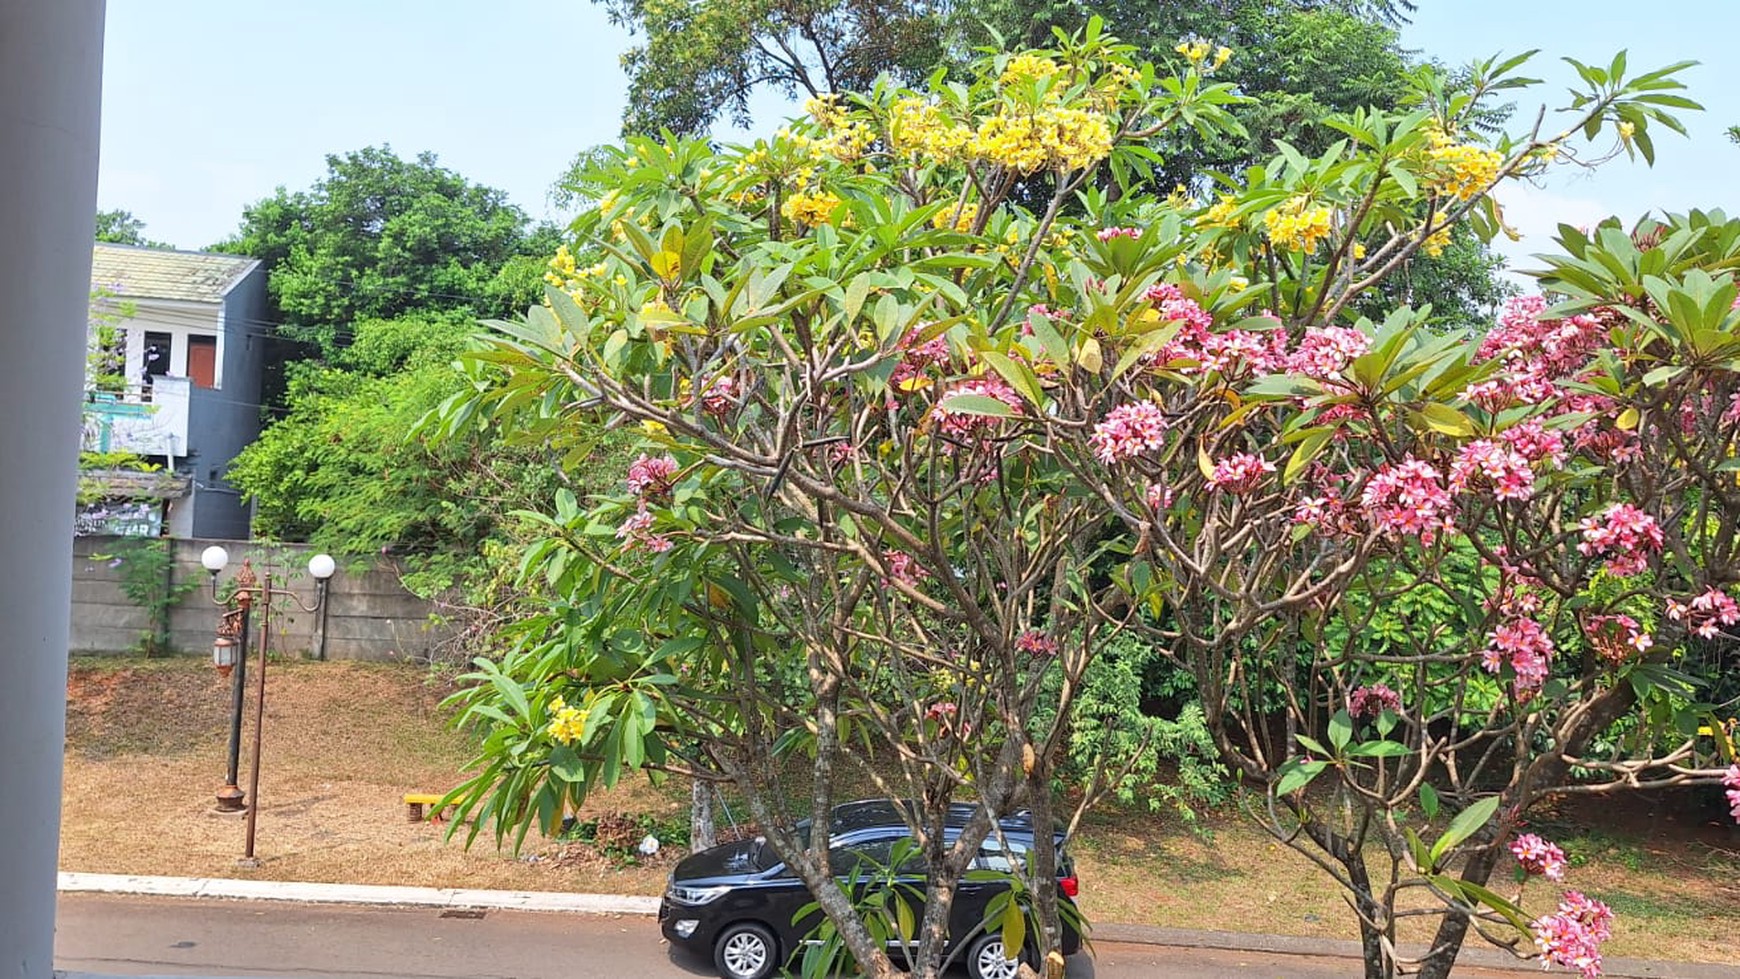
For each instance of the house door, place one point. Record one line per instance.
(202, 361)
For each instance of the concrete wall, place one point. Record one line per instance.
(368, 615)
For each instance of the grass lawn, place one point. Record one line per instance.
(344, 741)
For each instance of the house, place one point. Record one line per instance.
(182, 390)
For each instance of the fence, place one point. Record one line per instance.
(368, 615)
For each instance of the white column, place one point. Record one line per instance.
(51, 57)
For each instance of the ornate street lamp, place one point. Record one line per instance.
(230, 655)
(249, 590)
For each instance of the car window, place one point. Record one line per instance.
(861, 858)
(1004, 857)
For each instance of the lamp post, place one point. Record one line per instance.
(321, 567)
(229, 654)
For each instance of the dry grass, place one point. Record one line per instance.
(345, 741)
(1674, 894)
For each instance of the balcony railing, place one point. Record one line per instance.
(148, 420)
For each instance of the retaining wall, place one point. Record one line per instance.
(369, 616)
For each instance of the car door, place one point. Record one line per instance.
(856, 861)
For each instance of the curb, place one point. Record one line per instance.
(622, 904)
(360, 894)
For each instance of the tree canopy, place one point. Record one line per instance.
(381, 236)
(913, 454)
(122, 228)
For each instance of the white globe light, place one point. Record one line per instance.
(214, 558)
(322, 566)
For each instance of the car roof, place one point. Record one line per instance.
(851, 817)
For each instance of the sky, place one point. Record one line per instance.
(209, 106)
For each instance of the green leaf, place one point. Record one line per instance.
(1444, 419)
(566, 765)
(1379, 749)
(1466, 824)
(976, 404)
(1296, 774)
(1014, 930)
(1340, 730)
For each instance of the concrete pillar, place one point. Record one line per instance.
(51, 58)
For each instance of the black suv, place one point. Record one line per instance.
(737, 901)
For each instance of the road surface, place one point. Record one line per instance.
(132, 936)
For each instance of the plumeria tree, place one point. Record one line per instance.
(913, 455)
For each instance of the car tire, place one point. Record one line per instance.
(986, 959)
(745, 951)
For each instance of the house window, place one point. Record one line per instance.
(156, 356)
(202, 361)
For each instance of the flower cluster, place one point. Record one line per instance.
(810, 209)
(1055, 136)
(956, 217)
(1199, 52)
(966, 425)
(916, 361)
(718, 395)
(1527, 648)
(1107, 234)
(1239, 473)
(1572, 935)
(1324, 352)
(1461, 170)
(1616, 638)
(1731, 785)
(637, 529)
(1538, 858)
(1488, 464)
(568, 724)
(919, 128)
(1408, 498)
(650, 477)
(1624, 536)
(1705, 615)
(1372, 700)
(941, 710)
(1036, 643)
(1223, 213)
(1128, 431)
(1172, 305)
(1325, 514)
(1537, 351)
(904, 568)
(1297, 225)
(1024, 68)
(1536, 443)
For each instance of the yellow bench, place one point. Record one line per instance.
(414, 803)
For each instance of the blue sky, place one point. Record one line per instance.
(208, 106)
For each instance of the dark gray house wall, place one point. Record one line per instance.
(222, 422)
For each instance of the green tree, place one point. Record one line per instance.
(122, 228)
(345, 468)
(701, 61)
(916, 455)
(381, 236)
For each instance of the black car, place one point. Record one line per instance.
(737, 901)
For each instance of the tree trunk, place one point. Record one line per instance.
(701, 831)
(1453, 929)
(1374, 920)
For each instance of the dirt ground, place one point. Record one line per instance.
(344, 742)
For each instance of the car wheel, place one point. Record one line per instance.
(745, 951)
(987, 960)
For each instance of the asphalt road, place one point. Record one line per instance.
(129, 936)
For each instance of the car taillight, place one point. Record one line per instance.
(1069, 886)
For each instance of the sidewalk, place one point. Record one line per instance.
(610, 904)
